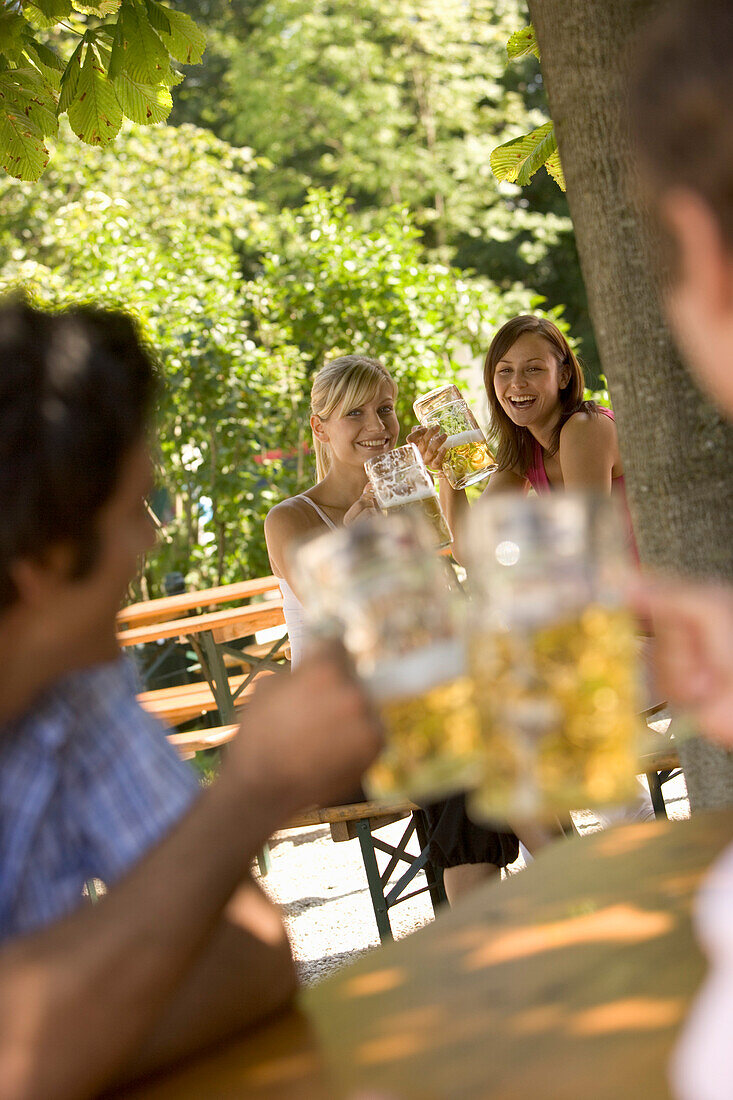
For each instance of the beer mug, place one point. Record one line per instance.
(552, 651)
(381, 588)
(468, 459)
(403, 485)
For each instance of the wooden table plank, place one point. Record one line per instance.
(250, 618)
(171, 607)
(568, 982)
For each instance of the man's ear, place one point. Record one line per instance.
(37, 579)
(319, 428)
(704, 263)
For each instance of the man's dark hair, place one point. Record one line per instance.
(681, 103)
(75, 392)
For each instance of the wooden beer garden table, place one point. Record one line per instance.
(211, 633)
(569, 981)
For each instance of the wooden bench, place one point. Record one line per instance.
(172, 607)
(177, 705)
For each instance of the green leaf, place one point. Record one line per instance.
(48, 63)
(185, 41)
(145, 57)
(45, 14)
(94, 114)
(12, 28)
(517, 161)
(70, 80)
(554, 167)
(143, 103)
(101, 8)
(22, 151)
(522, 43)
(158, 17)
(25, 92)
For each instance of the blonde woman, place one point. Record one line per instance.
(353, 418)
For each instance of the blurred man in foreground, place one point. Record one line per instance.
(682, 114)
(184, 949)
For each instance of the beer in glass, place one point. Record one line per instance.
(383, 590)
(403, 485)
(468, 458)
(552, 653)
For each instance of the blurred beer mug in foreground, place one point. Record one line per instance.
(552, 652)
(468, 459)
(382, 583)
(402, 483)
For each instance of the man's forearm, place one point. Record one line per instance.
(86, 991)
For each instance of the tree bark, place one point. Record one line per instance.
(676, 448)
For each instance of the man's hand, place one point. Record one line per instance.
(308, 737)
(694, 649)
(366, 505)
(430, 442)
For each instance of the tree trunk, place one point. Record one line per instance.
(676, 448)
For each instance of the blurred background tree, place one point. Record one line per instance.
(396, 103)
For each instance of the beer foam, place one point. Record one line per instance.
(413, 673)
(460, 440)
(391, 500)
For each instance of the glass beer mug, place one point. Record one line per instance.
(379, 586)
(468, 459)
(402, 484)
(552, 651)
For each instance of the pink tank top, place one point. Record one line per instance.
(537, 477)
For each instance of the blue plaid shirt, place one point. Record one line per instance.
(88, 783)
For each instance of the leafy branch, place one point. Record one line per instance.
(121, 67)
(516, 161)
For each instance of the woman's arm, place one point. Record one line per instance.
(285, 526)
(588, 452)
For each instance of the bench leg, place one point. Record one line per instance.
(374, 880)
(433, 874)
(655, 790)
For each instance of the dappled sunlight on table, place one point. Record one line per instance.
(624, 841)
(617, 924)
(380, 981)
(393, 1047)
(630, 1014)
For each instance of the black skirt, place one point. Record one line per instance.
(454, 839)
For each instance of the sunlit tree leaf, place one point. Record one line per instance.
(94, 113)
(22, 150)
(522, 43)
(516, 161)
(185, 41)
(143, 103)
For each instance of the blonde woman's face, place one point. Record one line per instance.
(358, 433)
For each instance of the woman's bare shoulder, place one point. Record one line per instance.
(286, 523)
(587, 426)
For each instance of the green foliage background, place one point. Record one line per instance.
(324, 187)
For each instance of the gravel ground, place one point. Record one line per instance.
(321, 888)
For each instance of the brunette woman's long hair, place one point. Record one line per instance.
(515, 445)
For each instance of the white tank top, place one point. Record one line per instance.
(292, 607)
